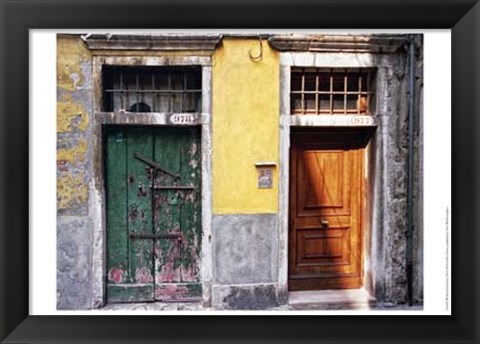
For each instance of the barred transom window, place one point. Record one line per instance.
(152, 89)
(317, 91)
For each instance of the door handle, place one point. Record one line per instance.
(324, 222)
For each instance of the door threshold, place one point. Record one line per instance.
(331, 299)
(153, 306)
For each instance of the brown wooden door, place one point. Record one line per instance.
(325, 235)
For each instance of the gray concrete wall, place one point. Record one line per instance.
(245, 249)
(74, 261)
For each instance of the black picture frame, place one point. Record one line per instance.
(17, 17)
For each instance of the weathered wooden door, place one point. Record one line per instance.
(153, 213)
(325, 221)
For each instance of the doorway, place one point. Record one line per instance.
(153, 206)
(326, 209)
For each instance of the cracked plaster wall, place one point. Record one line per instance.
(74, 173)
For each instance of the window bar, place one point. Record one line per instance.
(170, 94)
(345, 81)
(127, 94)
(367, 108)
(302, 109)
(331, 91)
(137, 88)
(143, 92)
(359, 101)
(317, 105)
(121, 93)
(182, 103)
(154, 105)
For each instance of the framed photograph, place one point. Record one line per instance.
(239, 171)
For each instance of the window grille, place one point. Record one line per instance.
(317, 91)
(152, 89)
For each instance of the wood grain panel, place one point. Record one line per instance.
(325, 221)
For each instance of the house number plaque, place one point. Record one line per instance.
(265, 178)
(182, 119)
(265, 174)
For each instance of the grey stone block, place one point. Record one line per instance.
(245, 297)
(74, 263)
(245, 248)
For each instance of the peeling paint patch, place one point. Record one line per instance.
(77, 152)
(115, 275)
(71, 114)
(178, 292)
(143, 275)
(72, 195)
(72, 54)
(62, 165)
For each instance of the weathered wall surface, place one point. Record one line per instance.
(74, 225)
(389, 170)
(418, 243)
(246, 248)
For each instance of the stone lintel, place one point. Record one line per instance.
(373, 43)
(165, 42)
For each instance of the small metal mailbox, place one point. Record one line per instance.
(265, 174)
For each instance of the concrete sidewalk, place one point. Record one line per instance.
(352, 299)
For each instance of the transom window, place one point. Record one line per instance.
(317, 91)
(152, 89)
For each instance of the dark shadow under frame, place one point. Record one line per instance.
(17, 17)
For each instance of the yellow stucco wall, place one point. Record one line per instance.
(73, 97)
(245, 126)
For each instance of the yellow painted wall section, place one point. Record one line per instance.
(245, 126)
(71, 55)
(73, 95)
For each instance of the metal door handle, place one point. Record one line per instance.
(324, 223)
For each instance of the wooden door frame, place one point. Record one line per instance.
(97, 187)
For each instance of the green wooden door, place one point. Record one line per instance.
(153, 213)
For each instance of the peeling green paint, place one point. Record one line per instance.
(153, 218)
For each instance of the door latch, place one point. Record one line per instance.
(154, 164)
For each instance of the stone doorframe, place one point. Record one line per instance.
(149, 51)
(345, 52)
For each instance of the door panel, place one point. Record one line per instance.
(325, 186)
(139, 208)
(325, 214)
(153, 213)
(178, 214)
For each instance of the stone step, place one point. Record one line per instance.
(331, 299)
